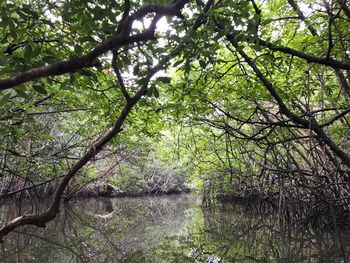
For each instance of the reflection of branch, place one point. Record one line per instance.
(49, 241)
(174, 9)
(76, 189)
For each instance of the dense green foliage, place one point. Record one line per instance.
(230, 97)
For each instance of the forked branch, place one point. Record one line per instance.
(63, 67)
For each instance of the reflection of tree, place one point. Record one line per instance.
(82, 234)
(239, 235)
(167, 229)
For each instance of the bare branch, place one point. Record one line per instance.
(119, 76)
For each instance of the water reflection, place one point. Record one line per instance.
(164, 229)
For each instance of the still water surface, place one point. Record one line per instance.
(165, 229)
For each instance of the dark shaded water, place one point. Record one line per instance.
(165, 229)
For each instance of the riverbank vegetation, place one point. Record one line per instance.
(238, 100)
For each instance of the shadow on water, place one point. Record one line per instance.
(165, 229)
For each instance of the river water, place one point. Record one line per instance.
(165, 229)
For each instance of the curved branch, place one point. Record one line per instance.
(335, 118)
(90, 59)
(41, 219)
(309, 58)
(310, 123)
(119, 76)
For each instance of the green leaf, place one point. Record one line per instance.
(156, 92)
(120, 63)
(21, 92)
(177, 63)
(4, 99)
(150, 91)
(39, 87)
(78, 50)
(28, 52)
(36, 52)
(164, 79)
(256, 46)
(86, 73)
(239, 36)
(136, 69)
(49, 59)
(126, 60)
(66, 85)
(142, 81)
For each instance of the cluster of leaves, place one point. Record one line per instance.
(246, 78)
(239, 138)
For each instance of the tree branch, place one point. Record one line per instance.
(307, 123)
(301, 16)
(119, 76)
(41, 219)
(309, 58)
(90, 59)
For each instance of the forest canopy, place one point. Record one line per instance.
(231, 98)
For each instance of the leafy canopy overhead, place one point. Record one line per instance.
(249, 89)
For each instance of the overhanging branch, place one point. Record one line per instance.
(91, 58)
